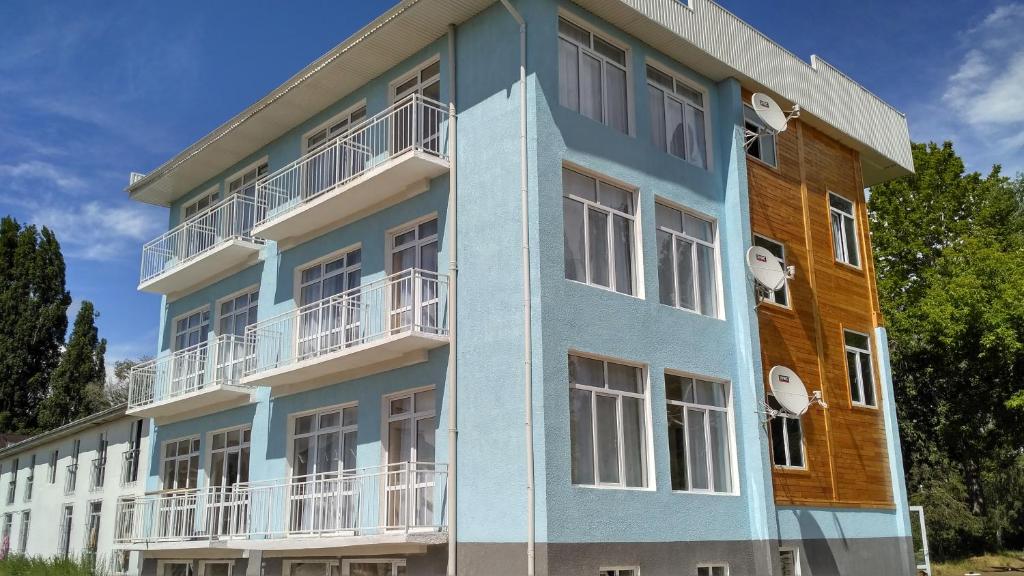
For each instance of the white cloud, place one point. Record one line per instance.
(32, 173)
(96, 231)
(984, 96)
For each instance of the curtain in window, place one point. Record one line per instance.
(590, 88)
(837, 237)
(568, 75)
(618, 113)
(696, 144)
(656, 103)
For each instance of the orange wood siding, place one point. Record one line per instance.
(846, 458)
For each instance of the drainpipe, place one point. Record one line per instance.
(453, 271)
(527, 303)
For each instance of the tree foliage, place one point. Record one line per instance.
(949, 250)
(33, 320)
(77, 388)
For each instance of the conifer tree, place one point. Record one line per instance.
(76, 389)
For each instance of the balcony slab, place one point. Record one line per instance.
(388, 181)
(206, 400)
(201, 269)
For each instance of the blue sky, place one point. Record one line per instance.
(92, 90)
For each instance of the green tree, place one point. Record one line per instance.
(77, 387)
(33, 320)
(117, 387)
(949, 250)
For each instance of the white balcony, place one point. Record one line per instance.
(190, 382)
(360, 331)
(380, 160)
(386, 505)
(197, 250)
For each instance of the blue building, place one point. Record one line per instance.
(469, 295)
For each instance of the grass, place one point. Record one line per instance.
(15, 565)
(986, 564)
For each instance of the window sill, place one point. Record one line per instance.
(694, 312)
(707, 493)
(605, 289)
(792, 469)
(611, 487)
(864, 407)
(858, 269)
(771, 167)
(775, 306)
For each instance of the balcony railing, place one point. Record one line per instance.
(411, 301)
(415, 124)
(230, 219)
(187, 371)
(387, 499)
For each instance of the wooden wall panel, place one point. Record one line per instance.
(846, 456)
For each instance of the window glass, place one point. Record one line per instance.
(607, 423)
(677, 117)
(598, 224)
(687, 261)
(859, 369)
(592, 76)
(844, 230)
(761, 146)
(699, 432)
(786, 434)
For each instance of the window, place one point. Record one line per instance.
(329, 162)
(324, 328)
(130, 465)
(335, 128)
(92, 530)
(373, 567)
(120, 562)
(415, 247)
(30, 479)
(202, 203)
(858, 368)
(713, 570)
(699, 443)
(789, 562)
(98, 475)
(592, 76)
(71, 475)
(426, 82)
(677, 117)
(234, 315)
(53, 467)
(619, 572)
(191, 329)
(5, 537)
(687, 260)
(245, 184)
(780, 296)
(26, 521)
(761, 146)
(310, 568)
(12, 484)
(324, 442)
(214, 568)
(844, 230)
(64, 540)
(229, 457)
(410, 447)
(330, 277)
(787, 437)
(180, 464)
(598, 219)
(174, 568)
(608, 424)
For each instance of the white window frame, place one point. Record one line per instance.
(848, 219)
(344, 115)
(719, 312)
(420, 83)
(316, 412)
(731, 443)
(212, 193)
(206, 470)
(186, 315)
(90, 514)
(346, 564)
(645, 452)
(796, 560)
(709, 567)
(286, 569)
(415, 416)
(241, 173)
(617, 570)
(704, 108)
(321, 261)
(772, 295)
(635, 288)
(861, 385)
(764, 134)
(12, 483)
(163, 460)
(161, 564)
(67, 523)
(413, 225)
(6, 532)
(52, 472)
(787, 416)
(204, 563)
(30, 480)
(220, 315)
(590, 51)
(23, 530)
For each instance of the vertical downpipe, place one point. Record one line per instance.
(453, 272)
(527, 301)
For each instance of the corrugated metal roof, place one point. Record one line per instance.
(716, 42)
(704, 35)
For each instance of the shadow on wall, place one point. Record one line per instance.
(817, 554)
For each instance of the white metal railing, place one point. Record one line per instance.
(229, 219)
(409, 301)
(415, 123)
(187, 371)
(397, 497)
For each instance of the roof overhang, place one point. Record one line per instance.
(703, 36)
(379, 46)
(714, 42)
(70, 429)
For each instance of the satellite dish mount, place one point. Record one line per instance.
(773, 118)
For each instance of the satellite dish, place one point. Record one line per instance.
(789, 390)
(770, 113)
(766, 268)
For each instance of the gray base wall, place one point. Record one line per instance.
(855, 556)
